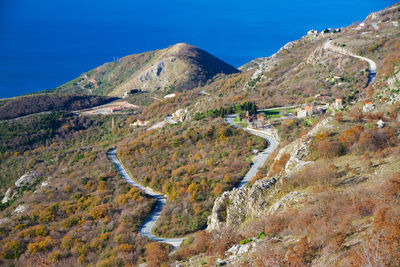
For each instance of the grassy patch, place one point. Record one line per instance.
(273, 113)
(241, 123)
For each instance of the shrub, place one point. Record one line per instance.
(54, 256)
(156, 254)
(261, 235)
(12, 249)
(245, 241)
(41, 245)
(33, 231)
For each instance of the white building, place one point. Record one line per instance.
(304, 112)
(338, 103)
(139, 123)
(312, 32)
(368, 106)
(170, 95)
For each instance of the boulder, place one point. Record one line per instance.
(7, 197)
(26, 179)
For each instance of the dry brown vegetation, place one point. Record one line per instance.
(192, 165)
(85, 214)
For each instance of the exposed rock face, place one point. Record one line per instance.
(290, 199)
(27, 179)
(20, 209)
(153, 72)
(265, 64)
(235, 206)
(180, 114)
(298, 149)
(7, 197)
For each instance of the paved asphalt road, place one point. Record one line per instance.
(261, 157)
(150, 222)
(371, 63)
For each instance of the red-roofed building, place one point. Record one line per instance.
(304, 112)
(338, 103)
(368, 106)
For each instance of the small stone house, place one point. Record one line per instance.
(338, 103)
(304, 112)
(368, 106)
(311, 32)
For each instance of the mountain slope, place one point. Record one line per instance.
(179, 67)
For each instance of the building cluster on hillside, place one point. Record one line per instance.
(309, 110)
(325, 31)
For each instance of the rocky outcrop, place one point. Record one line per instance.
(180, 115)
(19, 210)
(233, 207)
(288, 200)
(266, 65)
(27, 179)
(7, 197)
(299, 149)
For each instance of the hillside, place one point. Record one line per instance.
(36, 103)
(178, 67)
(328, 195)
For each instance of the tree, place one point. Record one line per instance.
(156, 255)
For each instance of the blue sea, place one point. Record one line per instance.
(46, 43)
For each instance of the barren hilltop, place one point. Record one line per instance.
(178, 67)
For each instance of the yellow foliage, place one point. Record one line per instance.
(125, 248)
(99, 211)
(19, 226)
(104, 236)
(227, 178)
(121, 199)
(68, 189)
(54, 257)
(67, 242)
(37, 230)
(41, 245)
(321, 136)
(218, 189)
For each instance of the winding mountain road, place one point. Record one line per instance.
(340, 50)
(150, 222)
(261, 157)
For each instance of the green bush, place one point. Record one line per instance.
(261, 235)
(245, 241)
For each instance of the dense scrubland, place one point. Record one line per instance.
(78, 211)
(349, 214)
(26, 105)
(192, 165)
